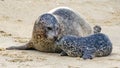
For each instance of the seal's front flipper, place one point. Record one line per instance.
(88, 53)
(23, 47)
(86, 56)
(63, 54)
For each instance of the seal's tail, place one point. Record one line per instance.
(97, 29)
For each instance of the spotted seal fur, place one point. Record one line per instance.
(97, 44)
(52, 25)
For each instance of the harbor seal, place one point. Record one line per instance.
(97, 44)
(53, 25)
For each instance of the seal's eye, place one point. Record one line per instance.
(49, 28)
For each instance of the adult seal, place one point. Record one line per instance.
(53, 25)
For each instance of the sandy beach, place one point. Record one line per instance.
(17, 18)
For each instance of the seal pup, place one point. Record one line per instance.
(95, 45)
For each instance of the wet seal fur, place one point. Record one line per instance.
(97, 44)
(52, 25)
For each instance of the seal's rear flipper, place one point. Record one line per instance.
(97, 29)
(23, 47)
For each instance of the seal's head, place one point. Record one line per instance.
(47, 26)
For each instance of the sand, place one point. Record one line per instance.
(16, 23)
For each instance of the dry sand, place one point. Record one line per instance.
(16, 23)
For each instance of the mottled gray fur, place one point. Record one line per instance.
(54, 24)
(97, 44)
